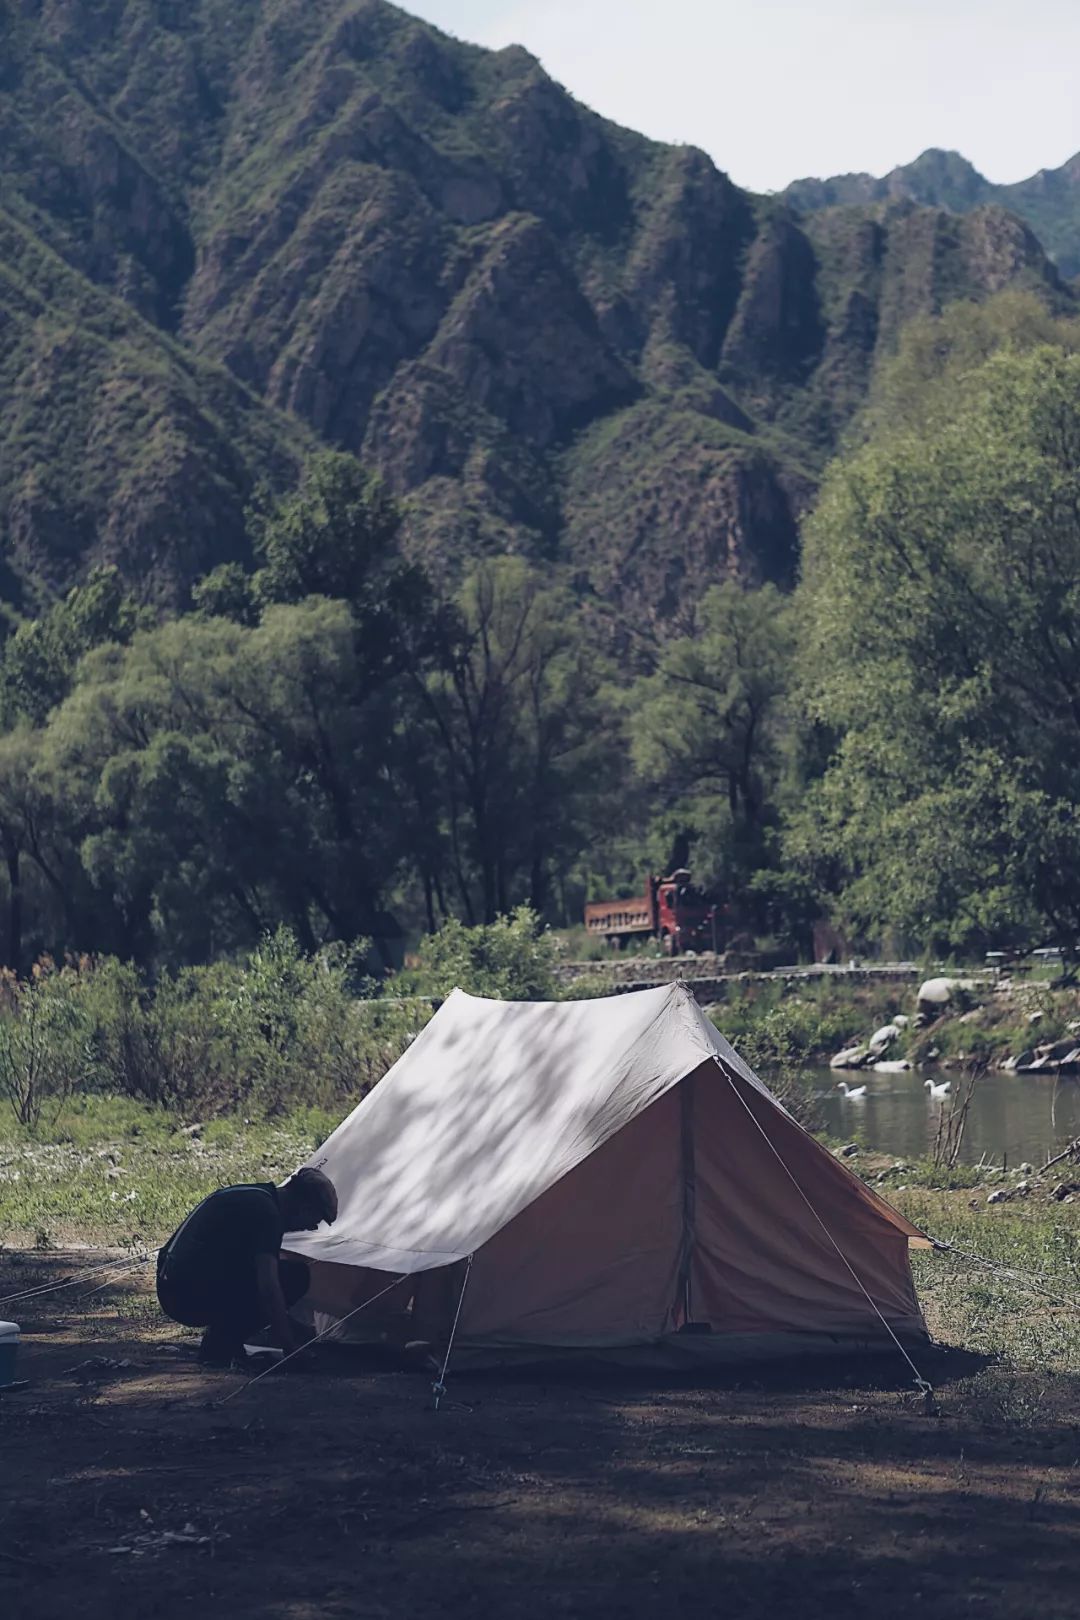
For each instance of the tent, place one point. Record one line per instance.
(610, 1177)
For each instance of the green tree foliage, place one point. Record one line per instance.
(41, 656)
(920, 381)
(708, 729)
(510, 959)
(333, 536)
(219, 779)
(940, 607)
(226, 593)
(521, 735)
(195, 783)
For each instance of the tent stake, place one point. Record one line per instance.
(438, 1389)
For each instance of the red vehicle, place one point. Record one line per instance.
(671, 910)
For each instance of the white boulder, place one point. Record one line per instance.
(884, 1036)
(936, 994)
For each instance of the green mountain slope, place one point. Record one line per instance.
(551, 335)
(1049, 202)
(116, 445)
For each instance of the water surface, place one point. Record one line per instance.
(1015, 1117)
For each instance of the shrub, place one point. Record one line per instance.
(270, 1032)
(511, 959)
(45, 1045)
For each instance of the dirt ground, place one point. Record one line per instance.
(140, 1491)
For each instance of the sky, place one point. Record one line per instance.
(775, 90)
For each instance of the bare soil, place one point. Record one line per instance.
(829, 1491)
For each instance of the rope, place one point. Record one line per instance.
(920, 1382)
(1021, 1278)
(276, 1366)
(438, 1389)
(69, 1282)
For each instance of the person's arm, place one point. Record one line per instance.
(273, 1302)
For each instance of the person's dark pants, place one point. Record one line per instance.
(226, 1303)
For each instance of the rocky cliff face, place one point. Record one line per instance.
(321, 219)
(1049, 202)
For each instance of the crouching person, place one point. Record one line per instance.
(222, 1269)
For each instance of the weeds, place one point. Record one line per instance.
(272, 1032)
(952, 1122)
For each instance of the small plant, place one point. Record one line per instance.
(952, 1121)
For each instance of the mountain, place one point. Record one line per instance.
(1049, 202)
(231, 229)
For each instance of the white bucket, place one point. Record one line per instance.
(9, 1345)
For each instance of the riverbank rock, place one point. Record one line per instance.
(852, 1057)
(892, 1066)
(884, 1036)
(935, 995)
(1053, 1055)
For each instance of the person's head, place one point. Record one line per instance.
(307, 1198)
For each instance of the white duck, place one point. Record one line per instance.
(938, 1091)
(851, 1092)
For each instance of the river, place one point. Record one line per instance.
(1019, 1117)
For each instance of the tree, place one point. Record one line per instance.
(940, 625)
(335, 535)
(512, 959)
(220, 779)
(40, 658)
(19, 801)
(707, 728)
(226, 592)
(527, 747)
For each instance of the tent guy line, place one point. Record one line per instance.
(276, 1366)
(119, 1266)
(921, 1383)
(438, 1389)
(1023, 1279)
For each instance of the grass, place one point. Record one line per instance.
(120, 1173)
(969, 1304)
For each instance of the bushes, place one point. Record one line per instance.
(264, 1034)
(269, 1032)
(45, 1045)
(511, 959)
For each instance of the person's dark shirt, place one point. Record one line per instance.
(225, 1233)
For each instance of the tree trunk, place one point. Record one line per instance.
(15, 910)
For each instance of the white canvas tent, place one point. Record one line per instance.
(621, 1181)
